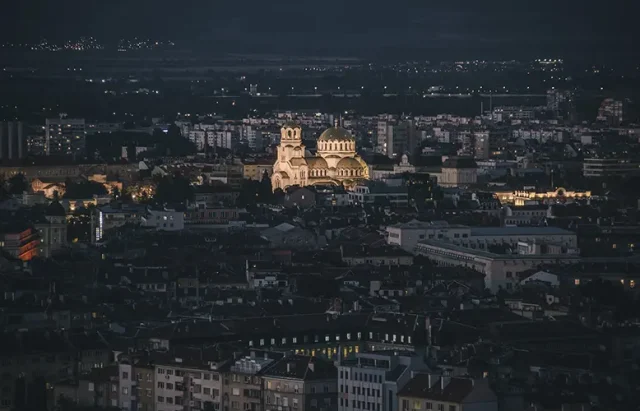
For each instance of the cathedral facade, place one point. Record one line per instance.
(335, 162)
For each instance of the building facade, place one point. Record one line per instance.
(372, 380)
(300, 383)
(12, 140)
(65, 136)
(458, 172)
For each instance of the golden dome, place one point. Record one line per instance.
(335, 133)
(317, 163)
(349, 163)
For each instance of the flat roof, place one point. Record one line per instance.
(486, 254)
(498, 231)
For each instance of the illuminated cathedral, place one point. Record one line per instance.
(335, 162)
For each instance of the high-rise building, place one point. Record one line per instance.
(611, 111)
(385, 132)
(559, 100)
(396, 139)
(65, 136)
(253, 137)
(481, 145)
(12, 142)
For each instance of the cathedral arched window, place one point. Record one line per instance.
(289, 133)
(340, 146)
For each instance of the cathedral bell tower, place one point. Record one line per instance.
(290, 142)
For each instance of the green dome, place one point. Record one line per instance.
(349, 163)
(335, 133)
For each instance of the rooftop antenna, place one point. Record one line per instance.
(491, 104)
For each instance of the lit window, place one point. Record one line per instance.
(576, 281)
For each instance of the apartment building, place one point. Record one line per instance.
(408, 235)
(458, 172)
(372, 380)
(40, 357)
(377, 193)
(98, 388)
(607, 167)
(144, 391)
(65, 136)
(243, 383)
(299, 383)
(20, 241)
(163, 219)
(501, 270)
(190, 381)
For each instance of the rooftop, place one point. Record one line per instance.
(301, 367)
(432, 388)
(511, 231)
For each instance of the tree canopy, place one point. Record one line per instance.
(173, 190)
(18, 184)
(84, 189)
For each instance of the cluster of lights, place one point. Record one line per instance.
(87, 44)
(142, 44)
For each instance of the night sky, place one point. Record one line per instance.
(342, 27)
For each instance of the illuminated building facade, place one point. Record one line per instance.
(521, 198)
(20, 242)
(335, 162)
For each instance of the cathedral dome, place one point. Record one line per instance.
(349, 163)
(335, 133)
(317, 163)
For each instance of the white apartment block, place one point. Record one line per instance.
(373, 380)
(501, 270)
(408, 235)
(126, 395)
(163, 220)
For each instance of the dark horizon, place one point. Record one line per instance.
(493, 29)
